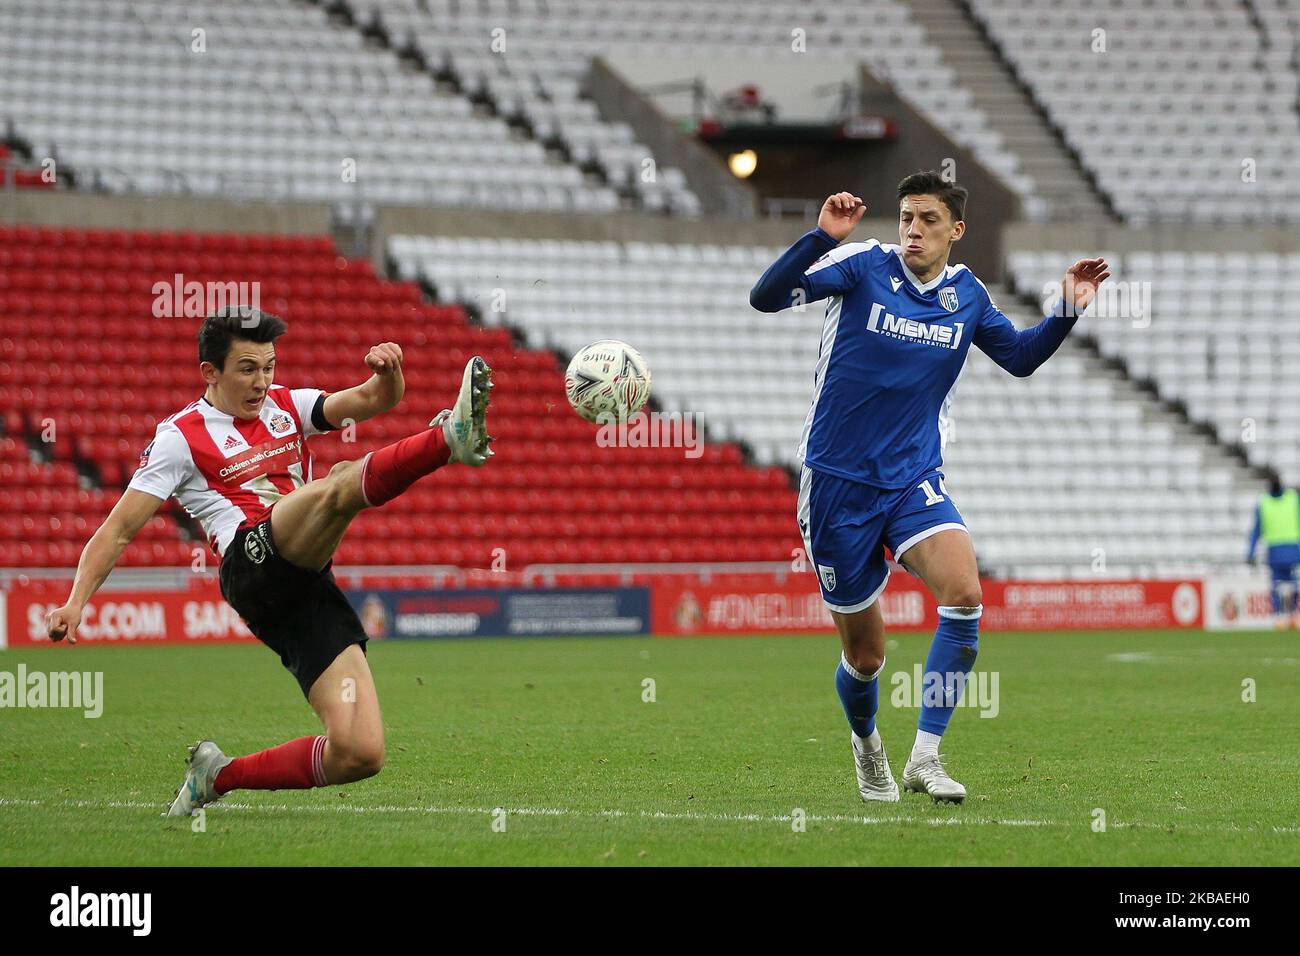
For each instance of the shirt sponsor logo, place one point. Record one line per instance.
(897, 327)
(231, 442)
(261, 460)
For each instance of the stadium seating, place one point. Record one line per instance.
(281, 100)
(1215, 331)
(257, 99)
(549, 45)
(1047, 469)
(1188, 111)
(89, 364)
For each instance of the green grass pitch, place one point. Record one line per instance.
(744, 735)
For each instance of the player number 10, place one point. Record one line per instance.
(931, 496)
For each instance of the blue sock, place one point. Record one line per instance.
(956, 644)
(859, 693)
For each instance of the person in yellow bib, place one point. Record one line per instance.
(1277, 522)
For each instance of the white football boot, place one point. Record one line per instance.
(464, 425)
(926, 775)
(875, 782)
(199, 788)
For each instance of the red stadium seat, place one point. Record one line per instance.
(77, 296)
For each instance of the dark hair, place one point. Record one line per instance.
(220, 329)
(1274, 485)
(929, 182)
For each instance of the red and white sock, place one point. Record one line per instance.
(388, 472)
(297, 765)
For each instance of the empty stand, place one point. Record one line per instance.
(530, 56)
(1072, 468)
(1214, 331)
(86, 362)
(1182, 110)
(258, 99)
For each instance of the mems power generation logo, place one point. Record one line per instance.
(896, 327)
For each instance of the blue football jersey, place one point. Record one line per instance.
(892, 349)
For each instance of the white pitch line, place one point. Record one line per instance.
(542, 812)
(1188, 656)
(671, 815)
(534, 812)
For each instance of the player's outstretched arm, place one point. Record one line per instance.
(1022, 352)
(103, 549)
(1079, 287)
(378, 394)
(784, 284)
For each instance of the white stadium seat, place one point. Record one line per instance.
(1047, 469)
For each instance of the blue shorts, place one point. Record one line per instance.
(1283, 572)
(847, 524)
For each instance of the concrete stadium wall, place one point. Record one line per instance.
(633, 227)
(922, 145)
(92, 211)
(719, 192)
(802, 87)
(1184, 238)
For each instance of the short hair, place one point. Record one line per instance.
(221, 329)
(929, 182)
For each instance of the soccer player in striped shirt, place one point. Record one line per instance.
(237, 460)
(897, 327)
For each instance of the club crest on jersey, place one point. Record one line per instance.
(948, 298)
(827, 575)
(897, 327)
(280, 422)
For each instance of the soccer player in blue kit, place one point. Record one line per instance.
(897, 328)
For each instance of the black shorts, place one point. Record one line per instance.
(301, 615)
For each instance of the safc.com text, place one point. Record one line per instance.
(1202, 923)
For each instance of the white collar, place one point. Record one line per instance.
(915, 280)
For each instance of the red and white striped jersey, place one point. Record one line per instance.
(227, 471)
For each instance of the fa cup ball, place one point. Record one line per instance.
(607, 381)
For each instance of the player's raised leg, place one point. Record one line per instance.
(942, 556)
(309, 523)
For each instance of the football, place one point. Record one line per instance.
(607, 378)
